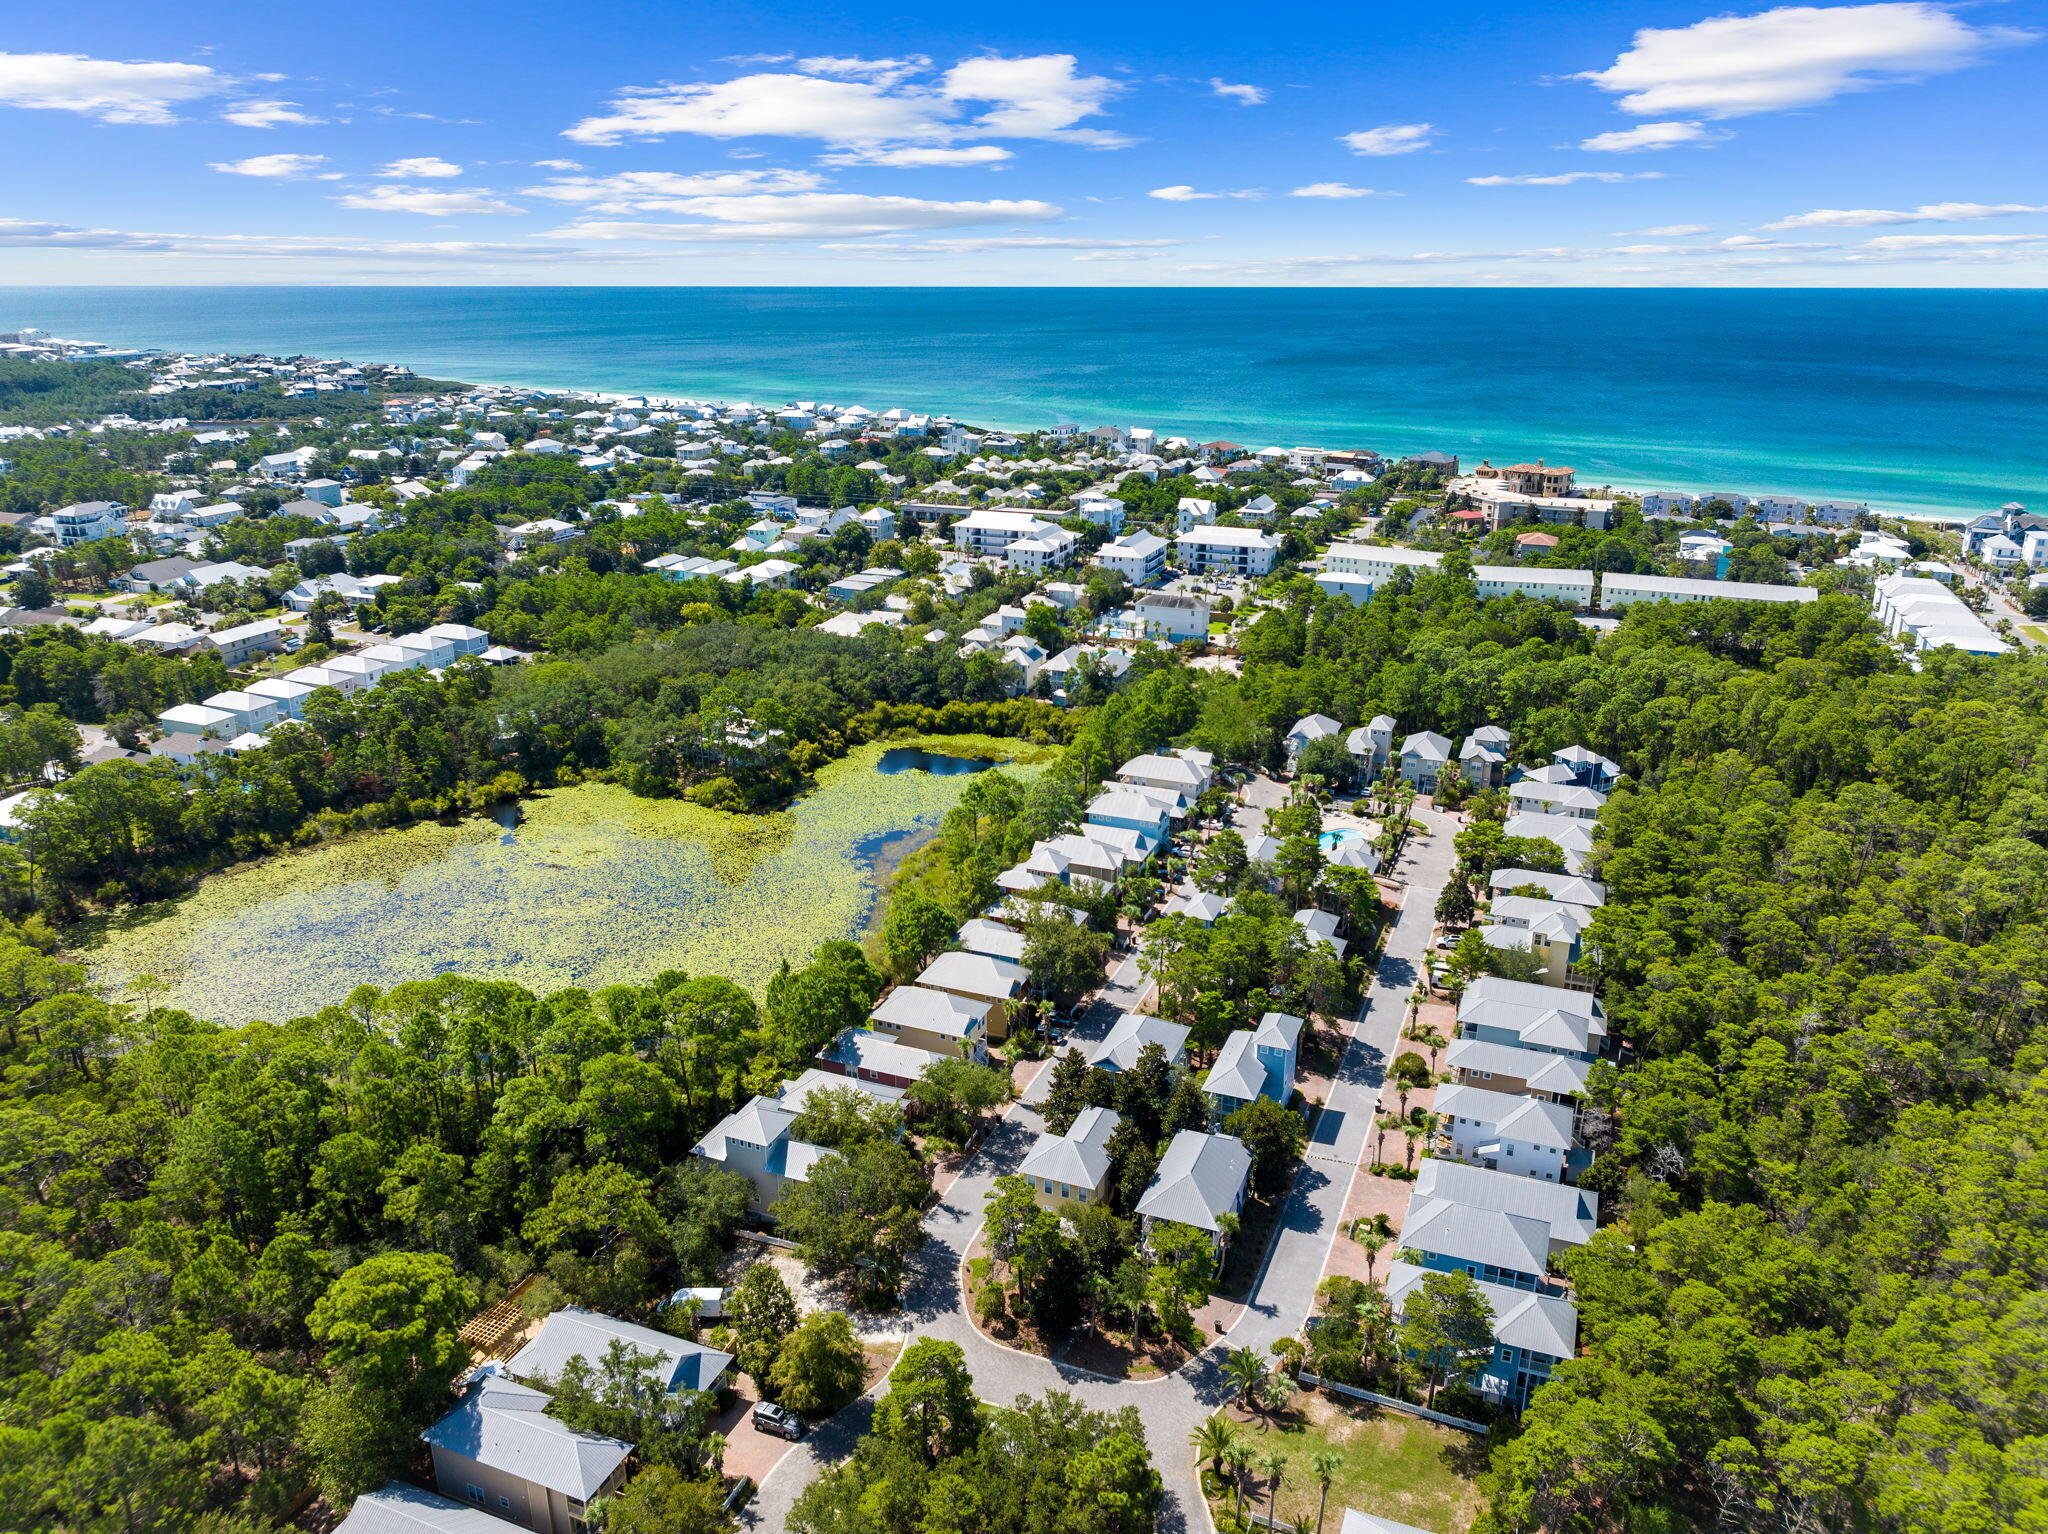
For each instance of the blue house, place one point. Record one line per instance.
(1494, 1246)
(1255, 1063)
(1588, 769)
(1532, 1334)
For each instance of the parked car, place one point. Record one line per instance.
(779, 1421)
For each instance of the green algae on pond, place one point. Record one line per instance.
(595, 887)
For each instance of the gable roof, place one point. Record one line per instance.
(1080, 1157)
(505, 1425)
(1123, 1043)
(1509, 1116)
(1542, 1323)
(992, 938)
(1519, 1243)
(397, 1508)
(1571, 1213)
(1198, 1181)
(1539, 1069)
(929, 1011)
(1238, 1072)
(588, 1334)
(975, 975)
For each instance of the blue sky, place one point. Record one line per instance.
(1503, 144)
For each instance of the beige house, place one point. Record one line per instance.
(933, 1020)
(1071, 1168)
(979, 977)
(500, 1451)
(1525, 1072)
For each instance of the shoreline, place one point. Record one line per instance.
(1949, 517)
(482, 373)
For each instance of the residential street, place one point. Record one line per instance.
(1173, 1406)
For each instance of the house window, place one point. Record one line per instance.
(476, 1495)
(503, 1500)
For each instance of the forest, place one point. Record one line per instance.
(1816, 1305)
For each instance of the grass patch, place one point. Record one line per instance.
(2036, 632)
(1395, 1466)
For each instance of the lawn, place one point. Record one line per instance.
(1396, 1466)
(2036, 632)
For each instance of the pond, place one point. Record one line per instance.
(591, 886)
(943, 763)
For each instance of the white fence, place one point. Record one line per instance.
(1464, 1424)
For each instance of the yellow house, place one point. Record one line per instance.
(1071, 1168)
(979, 977)
(938, 1021)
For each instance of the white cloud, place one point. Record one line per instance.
(278, 167)
(1042, 242)
(1336, 189)
(881, 71)
(814, 216)
(1247, 95)
(114, 91)
(1671, 231)
(1395, 138)
(1757, 242)
(558, 164)
(1936, 241)
(657, 191)
(1926, 213)
(438, 202)
(1189, 194)
(909, 156)
(1036, 97)
(1112, 255)
(1792, 56)
(420, 165)
(1567, 178)
(1648, 136)
(269, 114)
(768, 105)
(29, 234)
(1039, 96)
(19, 233)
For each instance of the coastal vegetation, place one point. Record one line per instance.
(237, 1254)
(936, 1461)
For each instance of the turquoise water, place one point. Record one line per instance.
(1914, 400)
(1330, 841)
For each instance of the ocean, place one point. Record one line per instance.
(1928, 402)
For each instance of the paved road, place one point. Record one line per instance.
(2002, 606)
(1172, 1407)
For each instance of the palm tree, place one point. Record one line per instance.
(1373, 1234)
(1214, 1440)
(1244, 1369)
(1227, 1226)
(1273, 1466)
(1240, 1458)
(1324, 1465)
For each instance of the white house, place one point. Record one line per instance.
(1228, 550)
(991, 532)
(1139, 557)
(1618, 590)
(1505, 1132)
